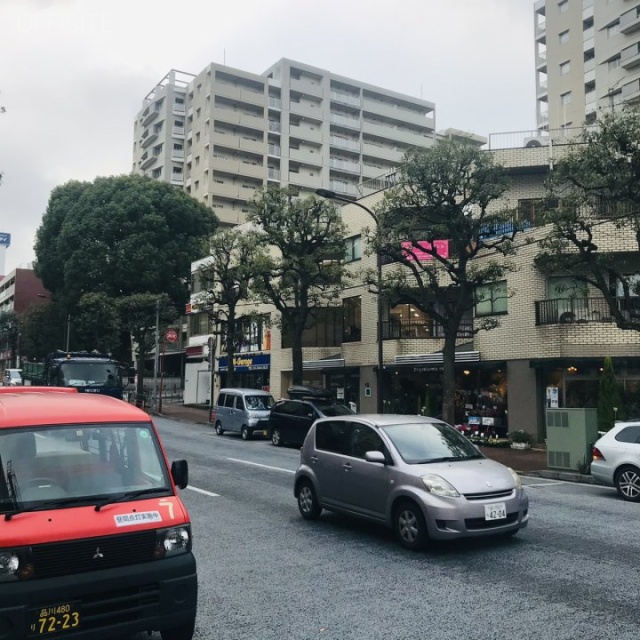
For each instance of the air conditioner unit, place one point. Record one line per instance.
(533, 142)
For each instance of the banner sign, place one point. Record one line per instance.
(247, 362)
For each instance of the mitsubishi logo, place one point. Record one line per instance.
(98, 554)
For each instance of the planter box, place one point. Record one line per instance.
(520, 445)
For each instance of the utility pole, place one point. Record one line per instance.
(155, 353)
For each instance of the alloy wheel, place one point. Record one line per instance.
(628, 484)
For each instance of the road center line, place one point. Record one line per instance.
(264, 466)
(203, 491)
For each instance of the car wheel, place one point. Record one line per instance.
(245, 433)
(410, 526)
(308, 501)
(219, 429)
(179, 633)
(628, 483)
(276, 438)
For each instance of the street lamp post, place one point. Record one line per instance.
(331, 195)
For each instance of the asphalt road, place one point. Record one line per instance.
(266, 574)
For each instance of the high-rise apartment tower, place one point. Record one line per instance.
(587, 59)
(223, 133)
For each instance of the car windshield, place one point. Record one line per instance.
(84, 374)
(330, 410)
(78, 464)
(258, 403)
(424, 442)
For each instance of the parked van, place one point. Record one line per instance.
(243, 411)
(94, 541)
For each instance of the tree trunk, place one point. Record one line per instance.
(449, 377)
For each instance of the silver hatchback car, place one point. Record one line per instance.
(417, 474)
(616, 460)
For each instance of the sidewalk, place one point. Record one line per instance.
(528, 462)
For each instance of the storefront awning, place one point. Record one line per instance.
(437, 358)
(330, 362)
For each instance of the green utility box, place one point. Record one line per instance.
(570, 434)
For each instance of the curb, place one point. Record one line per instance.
(567, 476)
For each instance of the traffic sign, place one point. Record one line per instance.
(171, 335)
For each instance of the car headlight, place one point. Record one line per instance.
(15, 564)
(516, 477)
(439, 486)
(172, 542)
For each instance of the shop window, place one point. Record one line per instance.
(323, 329)
(491, 299)
(352, 319)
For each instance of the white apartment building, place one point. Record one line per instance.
(587, 57)
(223, 133)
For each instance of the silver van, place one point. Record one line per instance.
(242, 411)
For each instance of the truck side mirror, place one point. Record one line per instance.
(180, 473)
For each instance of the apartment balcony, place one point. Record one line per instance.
(305, 134)
(583, 310)
(274, 150)
(345, 98)
(239, 168)
(233, 191)
(541, 90)
(345, 165)
(150, 117)
(342, 143)
(304, 156)
(630, 21)
(275, 103)
(148, 138)
(178, 109)
(177, 132)
(231, 141)
(344, 121)
(306, 86)
(631, 91)
(177, 155)
(630, 57)
(177, 180)
(344, 189)
(236, 117)
(306, 111)
(590, 65)
(382, 152)
(541, 61)
(239, 94)
(148, 161)
(541, 30)
(393, 133)
(303, 179)
(397, 114)
(273, 174)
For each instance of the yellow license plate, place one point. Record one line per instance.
(52, 619)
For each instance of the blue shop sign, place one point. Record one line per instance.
(247, 362)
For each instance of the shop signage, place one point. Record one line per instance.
(425, 250)
(247, 362)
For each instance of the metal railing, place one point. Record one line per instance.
(419, 330)
(583, 310)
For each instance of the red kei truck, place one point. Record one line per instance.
(94, 540)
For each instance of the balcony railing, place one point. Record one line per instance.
(420, 330)
(583, 310)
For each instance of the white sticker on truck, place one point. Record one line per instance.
(129, 519)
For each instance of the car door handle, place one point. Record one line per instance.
(314, 459)
(347, 466)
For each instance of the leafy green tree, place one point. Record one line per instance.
(609, 399)
(140, 313)
(448, 192)
(300, 266)
(41, 332)
(97, 325)
(226, 276)
(120, 236)
(595, 191)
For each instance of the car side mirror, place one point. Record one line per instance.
(180, 473)
(375, 456)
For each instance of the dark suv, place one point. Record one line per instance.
(290, 420)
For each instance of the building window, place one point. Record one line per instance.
(565, 67)
(530, 211)
(177, 170)
(563, 6)
(324, 329)
(353, 249)
(564, 36)
(613, 29)
(565, 98)
(491, 299)
(614, 63)
(352, 319)
(199, 324)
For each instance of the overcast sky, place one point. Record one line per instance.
(74, 72)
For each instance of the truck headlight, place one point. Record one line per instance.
(439, 486)
(15, 565)
(172, 542)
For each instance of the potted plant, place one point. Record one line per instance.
(520, 439)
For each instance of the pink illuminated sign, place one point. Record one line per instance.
(419, 253)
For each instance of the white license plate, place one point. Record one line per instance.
(496, 511)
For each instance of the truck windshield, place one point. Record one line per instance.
(85, 374)
(78, 464)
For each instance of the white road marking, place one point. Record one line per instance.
(203, 491)
(264, 466)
